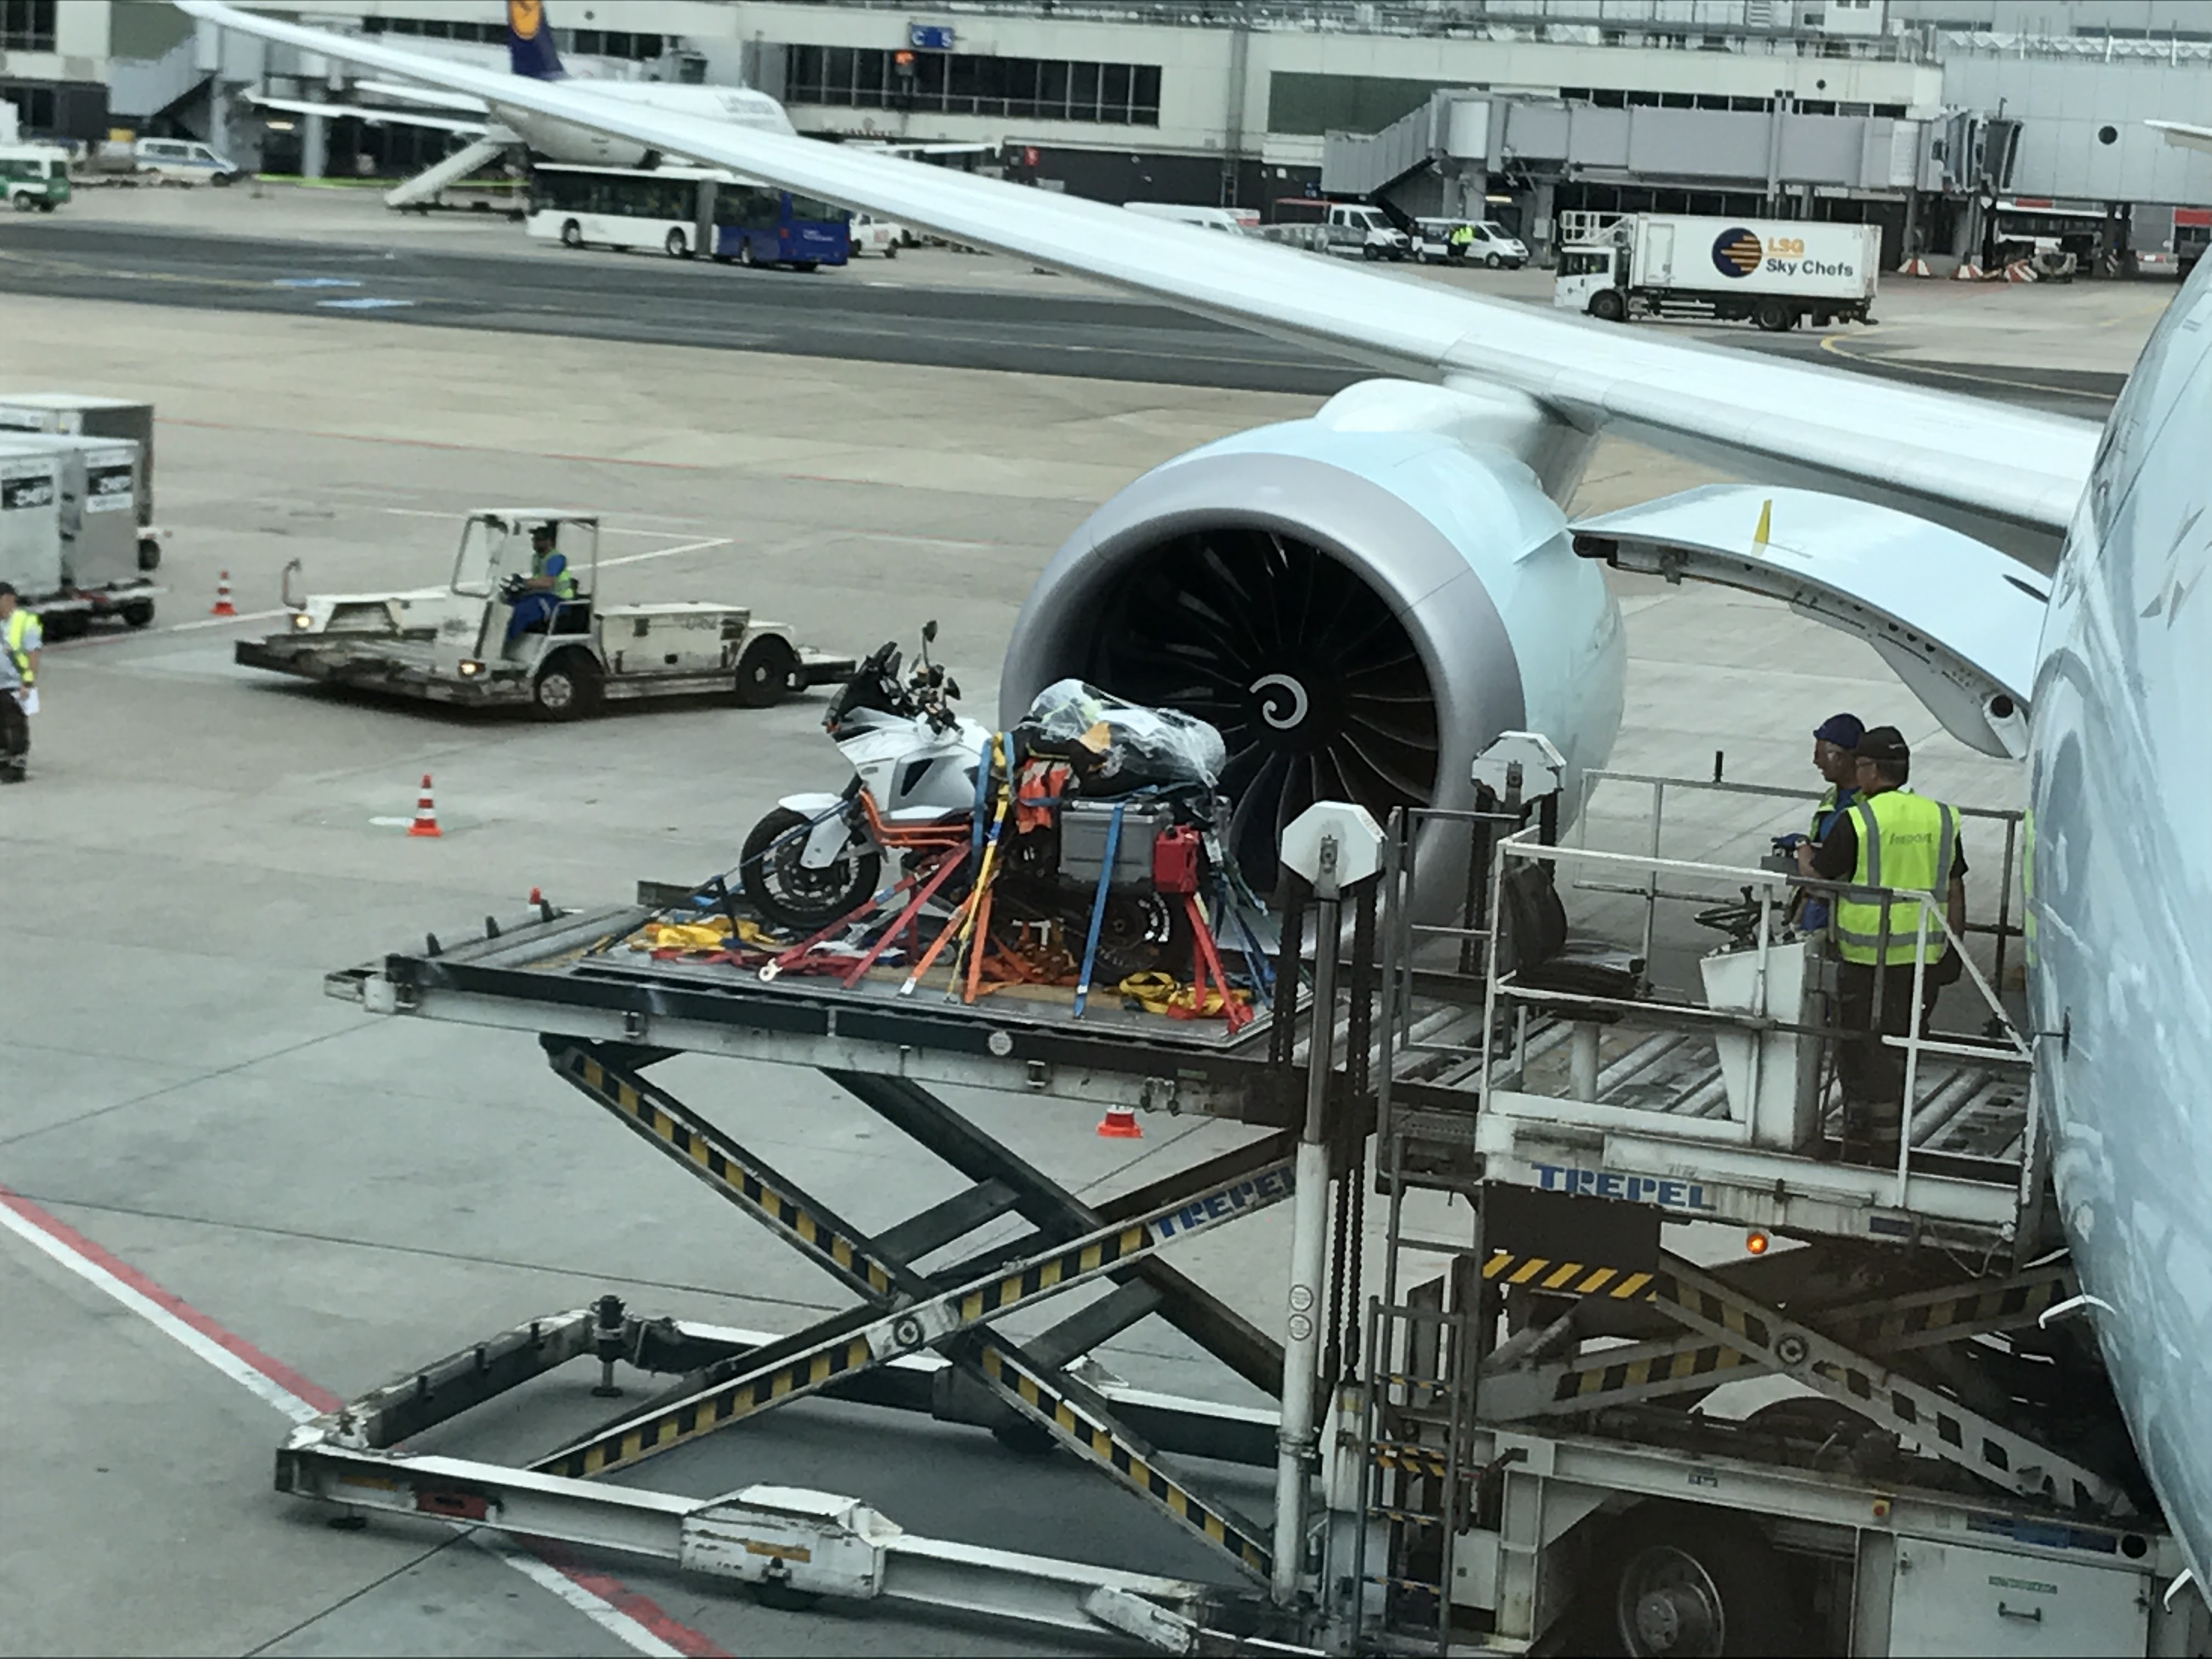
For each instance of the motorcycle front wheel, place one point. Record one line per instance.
(789, 895)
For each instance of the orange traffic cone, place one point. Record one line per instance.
(1120, 1123)
(426, 815)
(223, 607)
(536, 897)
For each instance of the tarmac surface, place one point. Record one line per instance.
(295, 250)
(347, 1197)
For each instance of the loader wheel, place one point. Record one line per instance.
(149, 553)
(791, 895)
(139, 613)
(766, 673)
(1606, 305)
(1682, 1582)
(566, 688)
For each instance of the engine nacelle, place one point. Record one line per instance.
(1360, 602)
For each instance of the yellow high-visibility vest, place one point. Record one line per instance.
(18, 629)
(1907, 843)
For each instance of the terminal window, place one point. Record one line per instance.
(27, 25)
(957, 83)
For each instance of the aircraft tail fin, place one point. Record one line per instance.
(529, 49)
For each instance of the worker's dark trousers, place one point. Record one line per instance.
(15, 735)
(1872, 1072)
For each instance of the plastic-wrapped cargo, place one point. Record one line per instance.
(1134, 746)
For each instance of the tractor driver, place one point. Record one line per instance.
(537, 597)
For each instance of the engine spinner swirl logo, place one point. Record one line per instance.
(1737, 251)
(1283, 701)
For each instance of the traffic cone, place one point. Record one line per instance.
(1120, 1123)
(223, 607)
(536, 897)
(426, 815)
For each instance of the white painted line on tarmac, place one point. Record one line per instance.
(629, 1618)
(669, 552)
(224, 621)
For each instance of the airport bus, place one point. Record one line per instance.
(683, 211)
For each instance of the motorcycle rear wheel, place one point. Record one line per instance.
(791, 896)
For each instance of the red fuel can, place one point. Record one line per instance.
(1176, 854)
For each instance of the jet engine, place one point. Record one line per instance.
(1360, 602)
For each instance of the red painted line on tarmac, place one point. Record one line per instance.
(641, 1610)
(616, 1593)
(274, 1369)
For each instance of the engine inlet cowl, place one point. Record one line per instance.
(1358, 612)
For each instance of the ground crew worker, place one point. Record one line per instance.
(1462, 239)
(1889, 838)
(19, 644)
(1835, 745)
(540, 594)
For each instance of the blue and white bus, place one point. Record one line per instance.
(683, 211)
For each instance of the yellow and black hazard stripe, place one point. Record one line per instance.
(1048, 1273)
(704, 1413)
(1565, 1277)
(661, 1121)
(1591, 1384)
(1701, 1303)
(1131, 1464)
(1970, 1311)
(1408, 1458)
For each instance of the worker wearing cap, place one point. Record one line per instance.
(541, 593)
(1888, 838)
(1835, 758)
(20, 643)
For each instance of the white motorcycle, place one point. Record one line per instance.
(920, 779)
(914, 761)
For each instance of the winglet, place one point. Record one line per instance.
(1765, 522)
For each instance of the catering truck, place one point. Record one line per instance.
(1775, 273)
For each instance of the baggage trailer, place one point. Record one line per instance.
(1775, 273)
(69, 538)
(73, 414)
(461, 644)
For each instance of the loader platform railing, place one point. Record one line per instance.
(1570, 1063)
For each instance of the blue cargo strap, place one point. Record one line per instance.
(1098, 907)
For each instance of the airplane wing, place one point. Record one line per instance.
(465, 105)
(920, 146)
(2183, 136)
(2010, 475)
(398, 118)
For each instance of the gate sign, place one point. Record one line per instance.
(929, 37)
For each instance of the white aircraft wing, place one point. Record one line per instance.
(398, 118)
(2011, 475)
(2182, 135)
(406, 94)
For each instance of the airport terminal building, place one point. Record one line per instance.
(1953, 123)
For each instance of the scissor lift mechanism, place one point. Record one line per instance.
(921, 1340)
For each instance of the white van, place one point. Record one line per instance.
(184, 161)
(1489, 244)
(34, 176)
(1237, 222)
(1353, 228)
